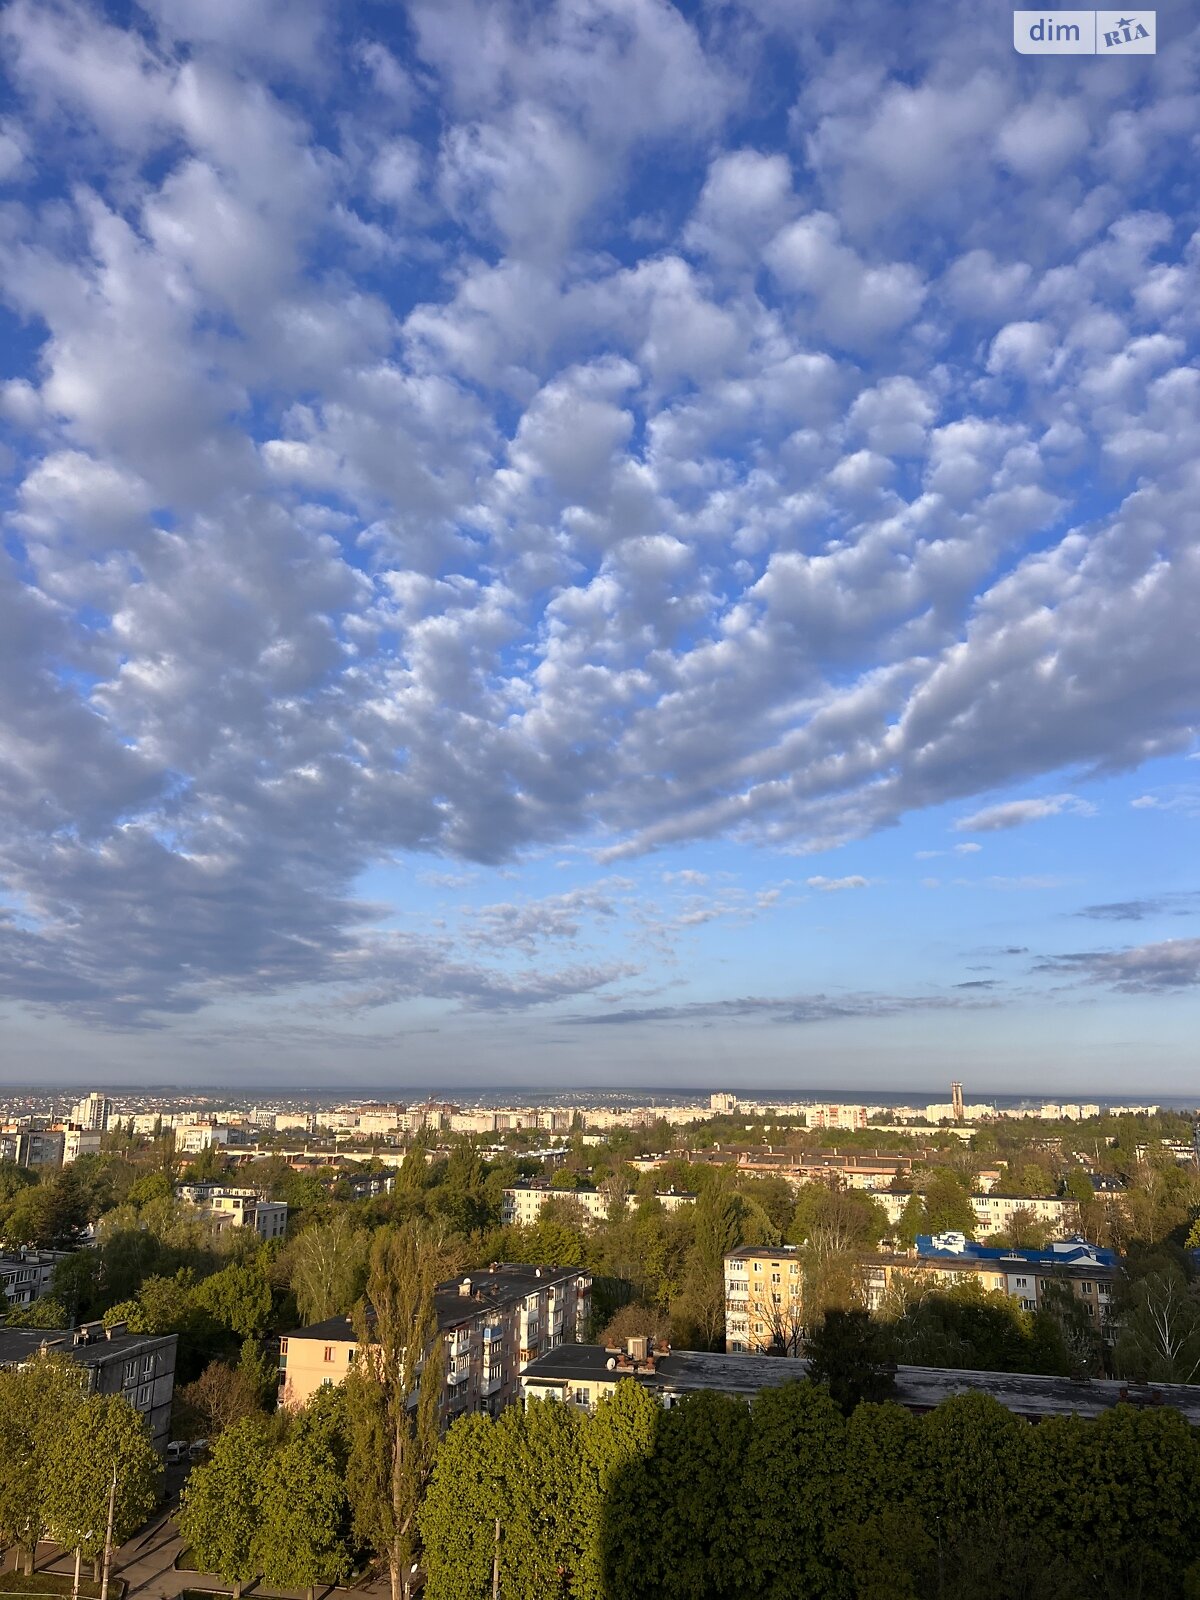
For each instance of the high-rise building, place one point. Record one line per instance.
(93, 1113)
(956, 1100)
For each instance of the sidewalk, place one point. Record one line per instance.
(147, 1566)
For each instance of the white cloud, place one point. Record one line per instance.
(1015, 813)
(833, 885)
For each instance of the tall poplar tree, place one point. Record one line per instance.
(393, 1441)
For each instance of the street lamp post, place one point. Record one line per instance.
(108, 1533)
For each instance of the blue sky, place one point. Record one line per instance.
(594, 542)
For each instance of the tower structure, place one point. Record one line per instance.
(956, 1100)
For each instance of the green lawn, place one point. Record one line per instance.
(40, 1584)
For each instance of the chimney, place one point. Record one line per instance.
(638, 1347)
(464, 1288)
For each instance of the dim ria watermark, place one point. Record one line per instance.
(1084, 33)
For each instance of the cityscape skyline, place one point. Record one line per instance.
(585, 543)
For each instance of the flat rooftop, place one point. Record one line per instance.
(496, 1286)
(918, 1388)
(18, 1345)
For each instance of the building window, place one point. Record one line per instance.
(737, 1266)
(329, 1352)
(144, 1395)
(1085, 1287)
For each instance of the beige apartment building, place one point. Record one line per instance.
(764, 1299)
(764, 1284)
(523, 1203)
(493, 1322)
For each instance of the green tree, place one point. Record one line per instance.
(670, 1526)
(393, 1395)
(541, 1541)
(302, 1537)
(912, 1221)
(948, 1204)
(975, 1454)
(789, 1501)
(1159, 1336)
(48, 1216)
(37, 1401)
(219, 1508)
(326, 1266)
(852, 1354)
(47, 1311)
(1078, 1186)
(468, 1493)
(238, 1297)
(103, 1441)
(619, 1434)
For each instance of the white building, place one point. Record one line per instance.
(80, 1142)
(723, 1103)
(237, 1208)
(995, 1212)
(93, 1114)
(523, 1204)
(190, 1141)
(26, 1275)
(946, 1111)
(836, 1116)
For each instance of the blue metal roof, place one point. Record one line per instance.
(1067, 1252)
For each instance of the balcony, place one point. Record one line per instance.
(459, 1373)
(492, 1379)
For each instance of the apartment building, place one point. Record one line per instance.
(584, 1374)
(237, 1208)
(32, 1147)
(93, 1113)
(27, 1274)
(855, 1169)
(836, 1116)
(493, 1322)
(523, 1203)
(190, 1141)
(764, 1299)
(995, 1211)
(80, 1142)
(764, 1284)
(139, 1366)
(945, 1259)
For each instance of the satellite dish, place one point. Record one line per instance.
(611, 1363)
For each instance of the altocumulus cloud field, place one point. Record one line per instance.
(522, 516)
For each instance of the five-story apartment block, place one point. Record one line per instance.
(493, 1323)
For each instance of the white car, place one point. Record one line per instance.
(177, 1449)
(197, 1448)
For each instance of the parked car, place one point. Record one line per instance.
(177, 1449)
(197, 1449)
